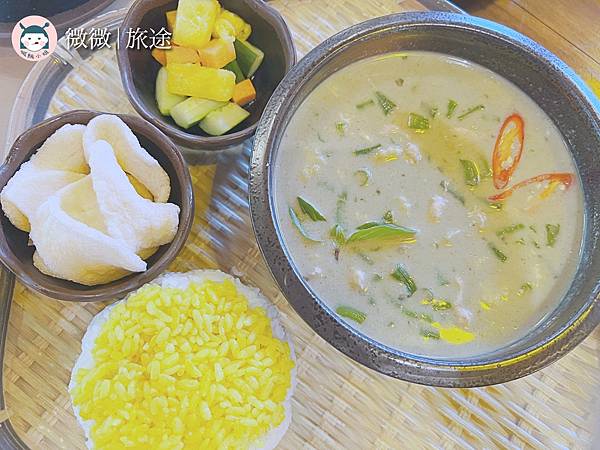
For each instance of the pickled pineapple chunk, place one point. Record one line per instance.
(217, 53)
(194, 80)
(241, 29)
(194, 368)
(194, 22)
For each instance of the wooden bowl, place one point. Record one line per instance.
(17, 255)
(139, 68)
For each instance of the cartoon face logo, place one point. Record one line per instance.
(34, 38)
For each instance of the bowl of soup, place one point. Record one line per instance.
(423, 190)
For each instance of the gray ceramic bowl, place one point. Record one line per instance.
(17, 255)
(139, 68)
(540, 74)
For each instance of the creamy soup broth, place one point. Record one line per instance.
(481, 273)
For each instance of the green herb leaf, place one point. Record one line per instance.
(509, 230)
(388, 217)
(552, 233)
(430, 334)
(384, 232)
(386, 104)
(310, 210)
(337, 234)
(340, 127)
(471, 172)
(351, 313)
(399, 82)
(364, 104)
(418, 122)
(499, 254)
(471, 111)
(451, 108)
(366, 225)
(366, 150)
(447, 188)
(299, 226)
(520, 241)
(401, 275)
(364, 176)
(496, 206)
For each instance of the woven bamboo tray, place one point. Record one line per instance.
(338, 404)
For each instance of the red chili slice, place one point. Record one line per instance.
(563, 178)
(508, 150)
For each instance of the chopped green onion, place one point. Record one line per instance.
(401, 275)
(441, 280)
(377, 277)
(430, 334)
(524, 288)
(388, 217)
(366, 258)
(351, 313)
(364, 176)
(499, 254)
(509, 230)
(486, 170)
(532, 228)
(451, 107)
(433, 112)
(384, 232)
(365, 104)
(366, 150)
(340, 127)
(339, 206)
(418, 122)
(399, 82)
(552, 233)
(337, 234)
(386, 104)
(470, 111)
(471, 172)
(310, 210)
(447, 188)
(438, 304)
(520, 241)
(496, 206)
(299, 226)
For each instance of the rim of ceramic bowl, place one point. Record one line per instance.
(179, 135)
(520, 358)
(18, 155)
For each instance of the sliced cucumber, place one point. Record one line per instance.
(222, 120)
(164, 98)
(234, 67)
(191, 111)
(248, 57)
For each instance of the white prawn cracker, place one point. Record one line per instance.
(139, 222)
(132, 157)
(104, 326)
